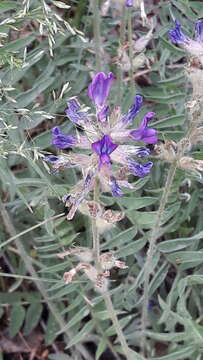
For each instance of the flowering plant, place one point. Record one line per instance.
(103, 137)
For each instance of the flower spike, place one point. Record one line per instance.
(105, 139)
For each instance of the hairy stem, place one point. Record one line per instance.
(130, 41)
(97, 36)
(152, 242)
(106, 296)
(10, 229)
(114, 319)
(95, 233)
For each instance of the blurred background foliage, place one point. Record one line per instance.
(46, 56)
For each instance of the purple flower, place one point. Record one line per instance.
(194, 47)
(129, 3)
(62, 141)
(199, 30)
(143, 133)
(139, 169)
(133, 111)
(75, 114)
(104, 148)
(176, 36)
(115, 188)
(99, 88)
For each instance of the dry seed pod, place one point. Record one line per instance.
(188, 163)
(166, 151)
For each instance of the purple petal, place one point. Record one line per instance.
(146, 119)
(115, 188)
(99, 88)
(199, 30)
(142, 152)
(55, 130)
(62, 141)
(51, 158)
(129, 3)
(102, 114)
(143, 133)
(176, 36)
(139, 169)
(133, 111)
(104, 148)
(75, 114)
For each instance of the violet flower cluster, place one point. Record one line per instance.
(194, 47)
(107, 140)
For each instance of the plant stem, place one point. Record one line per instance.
(121, 46)
(95, 233)
(97, 36)
(152, 242)
(130, 42)
(10, 229)
(119, 332)
(106, 296)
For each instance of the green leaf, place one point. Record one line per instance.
(179, 78)
(81, 334)
(16, 319)
(75, 319)
(178, 355)
(175, 120)
(33, 316)
(51, 330)
(178, 244)
(18, 44)
(174, 49)
(131, 248)
(123, 237)
(132, 203)
(100, 349)
(8, 5)
(189, 258)
(179, 336)
(184, 7)
(170, 99)
(158, 278)
(145, 218)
